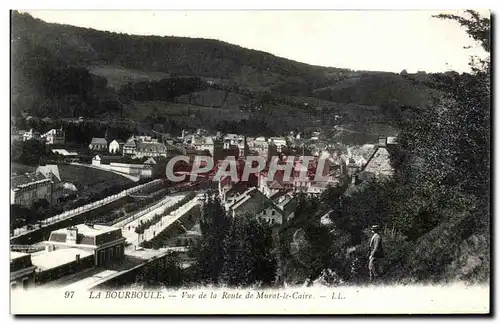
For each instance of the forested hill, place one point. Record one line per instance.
(61, 70)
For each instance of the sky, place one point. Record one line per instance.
(359, 40)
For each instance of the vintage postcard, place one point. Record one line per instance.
(250, 162)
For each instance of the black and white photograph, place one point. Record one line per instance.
(250, 161)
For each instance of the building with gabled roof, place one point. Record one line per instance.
(22, 270)
(105, 243)
(55, 137)
(116, 146)
(98, 144)
(25, 189)
(255, 203)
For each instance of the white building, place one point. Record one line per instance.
(254, 203)
(54, 137)
(31, 134)
(27, 188)
(279, 142)
(116, 146)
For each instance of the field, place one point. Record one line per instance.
(21, 168)
(118, 76)
(359, 134)
(88, 180)
(141, 110)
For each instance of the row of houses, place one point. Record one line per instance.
(274, 209)
(52, 137)
(135, 147)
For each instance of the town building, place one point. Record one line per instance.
(25, 189)
(151, 149)
(100, 160)
(104, 243)
(280, 143)
(255, 203)
(67, 155)
(16, 135)
(31, 135)
(146, 146)
(55, 137)
(130, 147)
(379, 163)
(51, 171)
(207, 143)
(116, 146)
(53, 264)
(98, 144)
(286, 202)
(264, 148)
(22, 270)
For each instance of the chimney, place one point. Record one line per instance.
(78, 258)
(72, 235)
(382, 141)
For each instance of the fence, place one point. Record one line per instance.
(141, 213)
(27, 248)
(88, 207)
(167, 220)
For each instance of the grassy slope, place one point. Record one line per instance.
(118, 76)
(152, 57)
(89, 180)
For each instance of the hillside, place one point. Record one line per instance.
(66, 71)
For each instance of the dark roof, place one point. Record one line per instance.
(26, 178)
(151, 146)
(99, 140)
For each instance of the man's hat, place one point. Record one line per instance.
(375, 227)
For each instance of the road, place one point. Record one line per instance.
(168, 220)
(103, 168)
(71, 213)
(128, 229)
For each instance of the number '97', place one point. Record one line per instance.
(69, 294)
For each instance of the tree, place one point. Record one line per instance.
(446, 146)
(247, 254)
(214, 224)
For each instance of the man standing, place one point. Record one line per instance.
(376, 253)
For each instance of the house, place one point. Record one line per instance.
(99, 160)
(98, 144)
(145, 146)
(286, 202)
(16, 135)
(116, 146)
(379, 163)
(207, 143)
(150, 149)
(130, 147)
(51, 171)
(264, 148)
(22, 270)
(55, 137)
(68, 156)
(31, 135)
(255, 203)
(25, 189)
(73, 249)
(280, 143)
